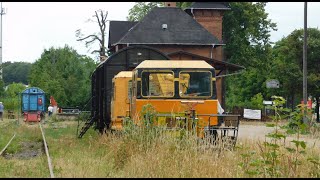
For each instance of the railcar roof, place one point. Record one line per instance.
(124, 74)
(194, 64)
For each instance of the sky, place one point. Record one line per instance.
(28, 28)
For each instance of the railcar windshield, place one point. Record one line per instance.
(195, 84)
(157, 84)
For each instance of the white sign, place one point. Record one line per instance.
(273, 83)
(267, 102)
(252, 114)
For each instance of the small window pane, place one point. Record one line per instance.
(195, 84)
(157, 84)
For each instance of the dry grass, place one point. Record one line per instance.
(140, 154)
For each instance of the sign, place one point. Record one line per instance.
(267, 102)
(272, 83)
(252, 114)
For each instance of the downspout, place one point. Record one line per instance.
(192, 13)
(212, 50)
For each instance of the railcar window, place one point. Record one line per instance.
(134, 84)
(113, 93)
(193, 84)
(157, 84)
(129, 89)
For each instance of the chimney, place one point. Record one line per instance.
(170, 4)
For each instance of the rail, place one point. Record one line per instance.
(7, 144)
(47, 152)
(46, 149)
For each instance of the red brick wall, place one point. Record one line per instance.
(211, 20)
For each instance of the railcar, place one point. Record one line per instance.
(182, 93)
(33, 104)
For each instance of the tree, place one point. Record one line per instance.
(12, 96)
(63, 74)
(288, 60)
(16, 72)
(140, 9)
(246, 33)
(101, 20)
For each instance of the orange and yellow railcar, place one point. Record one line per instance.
(180, 91)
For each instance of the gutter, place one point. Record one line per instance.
(192, 44)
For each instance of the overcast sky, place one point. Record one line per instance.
(30, 27)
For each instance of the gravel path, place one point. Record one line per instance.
(258, 132)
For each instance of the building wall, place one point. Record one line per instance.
(211, 20)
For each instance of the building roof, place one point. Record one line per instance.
(193, 64)
(181, 29)
(210, 5)
(117, 29)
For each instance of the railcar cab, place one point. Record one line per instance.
(174, 80)
(175, 87)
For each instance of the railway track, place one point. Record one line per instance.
(45, 147)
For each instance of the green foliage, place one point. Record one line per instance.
(63, 74)
(12, 97)
(246, 32)
(148, 114)
(140, 9)
(268, 161)
(14, 89)
(257, 101)
(16, 72)
(1, 88)
(288, 56)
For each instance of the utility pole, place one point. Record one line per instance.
(1, 13)
(305, 63)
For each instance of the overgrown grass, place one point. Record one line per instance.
(142, 152)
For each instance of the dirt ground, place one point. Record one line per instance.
(257, 131)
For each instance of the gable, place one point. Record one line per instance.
(117, 29)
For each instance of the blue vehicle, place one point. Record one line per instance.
(33, 104)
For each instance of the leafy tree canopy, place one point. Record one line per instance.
(16, 72)
(63, 74)
(288, 63)
(140, 9)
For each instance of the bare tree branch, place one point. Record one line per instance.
(95, 51)
(101, 18)
(94, 36)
